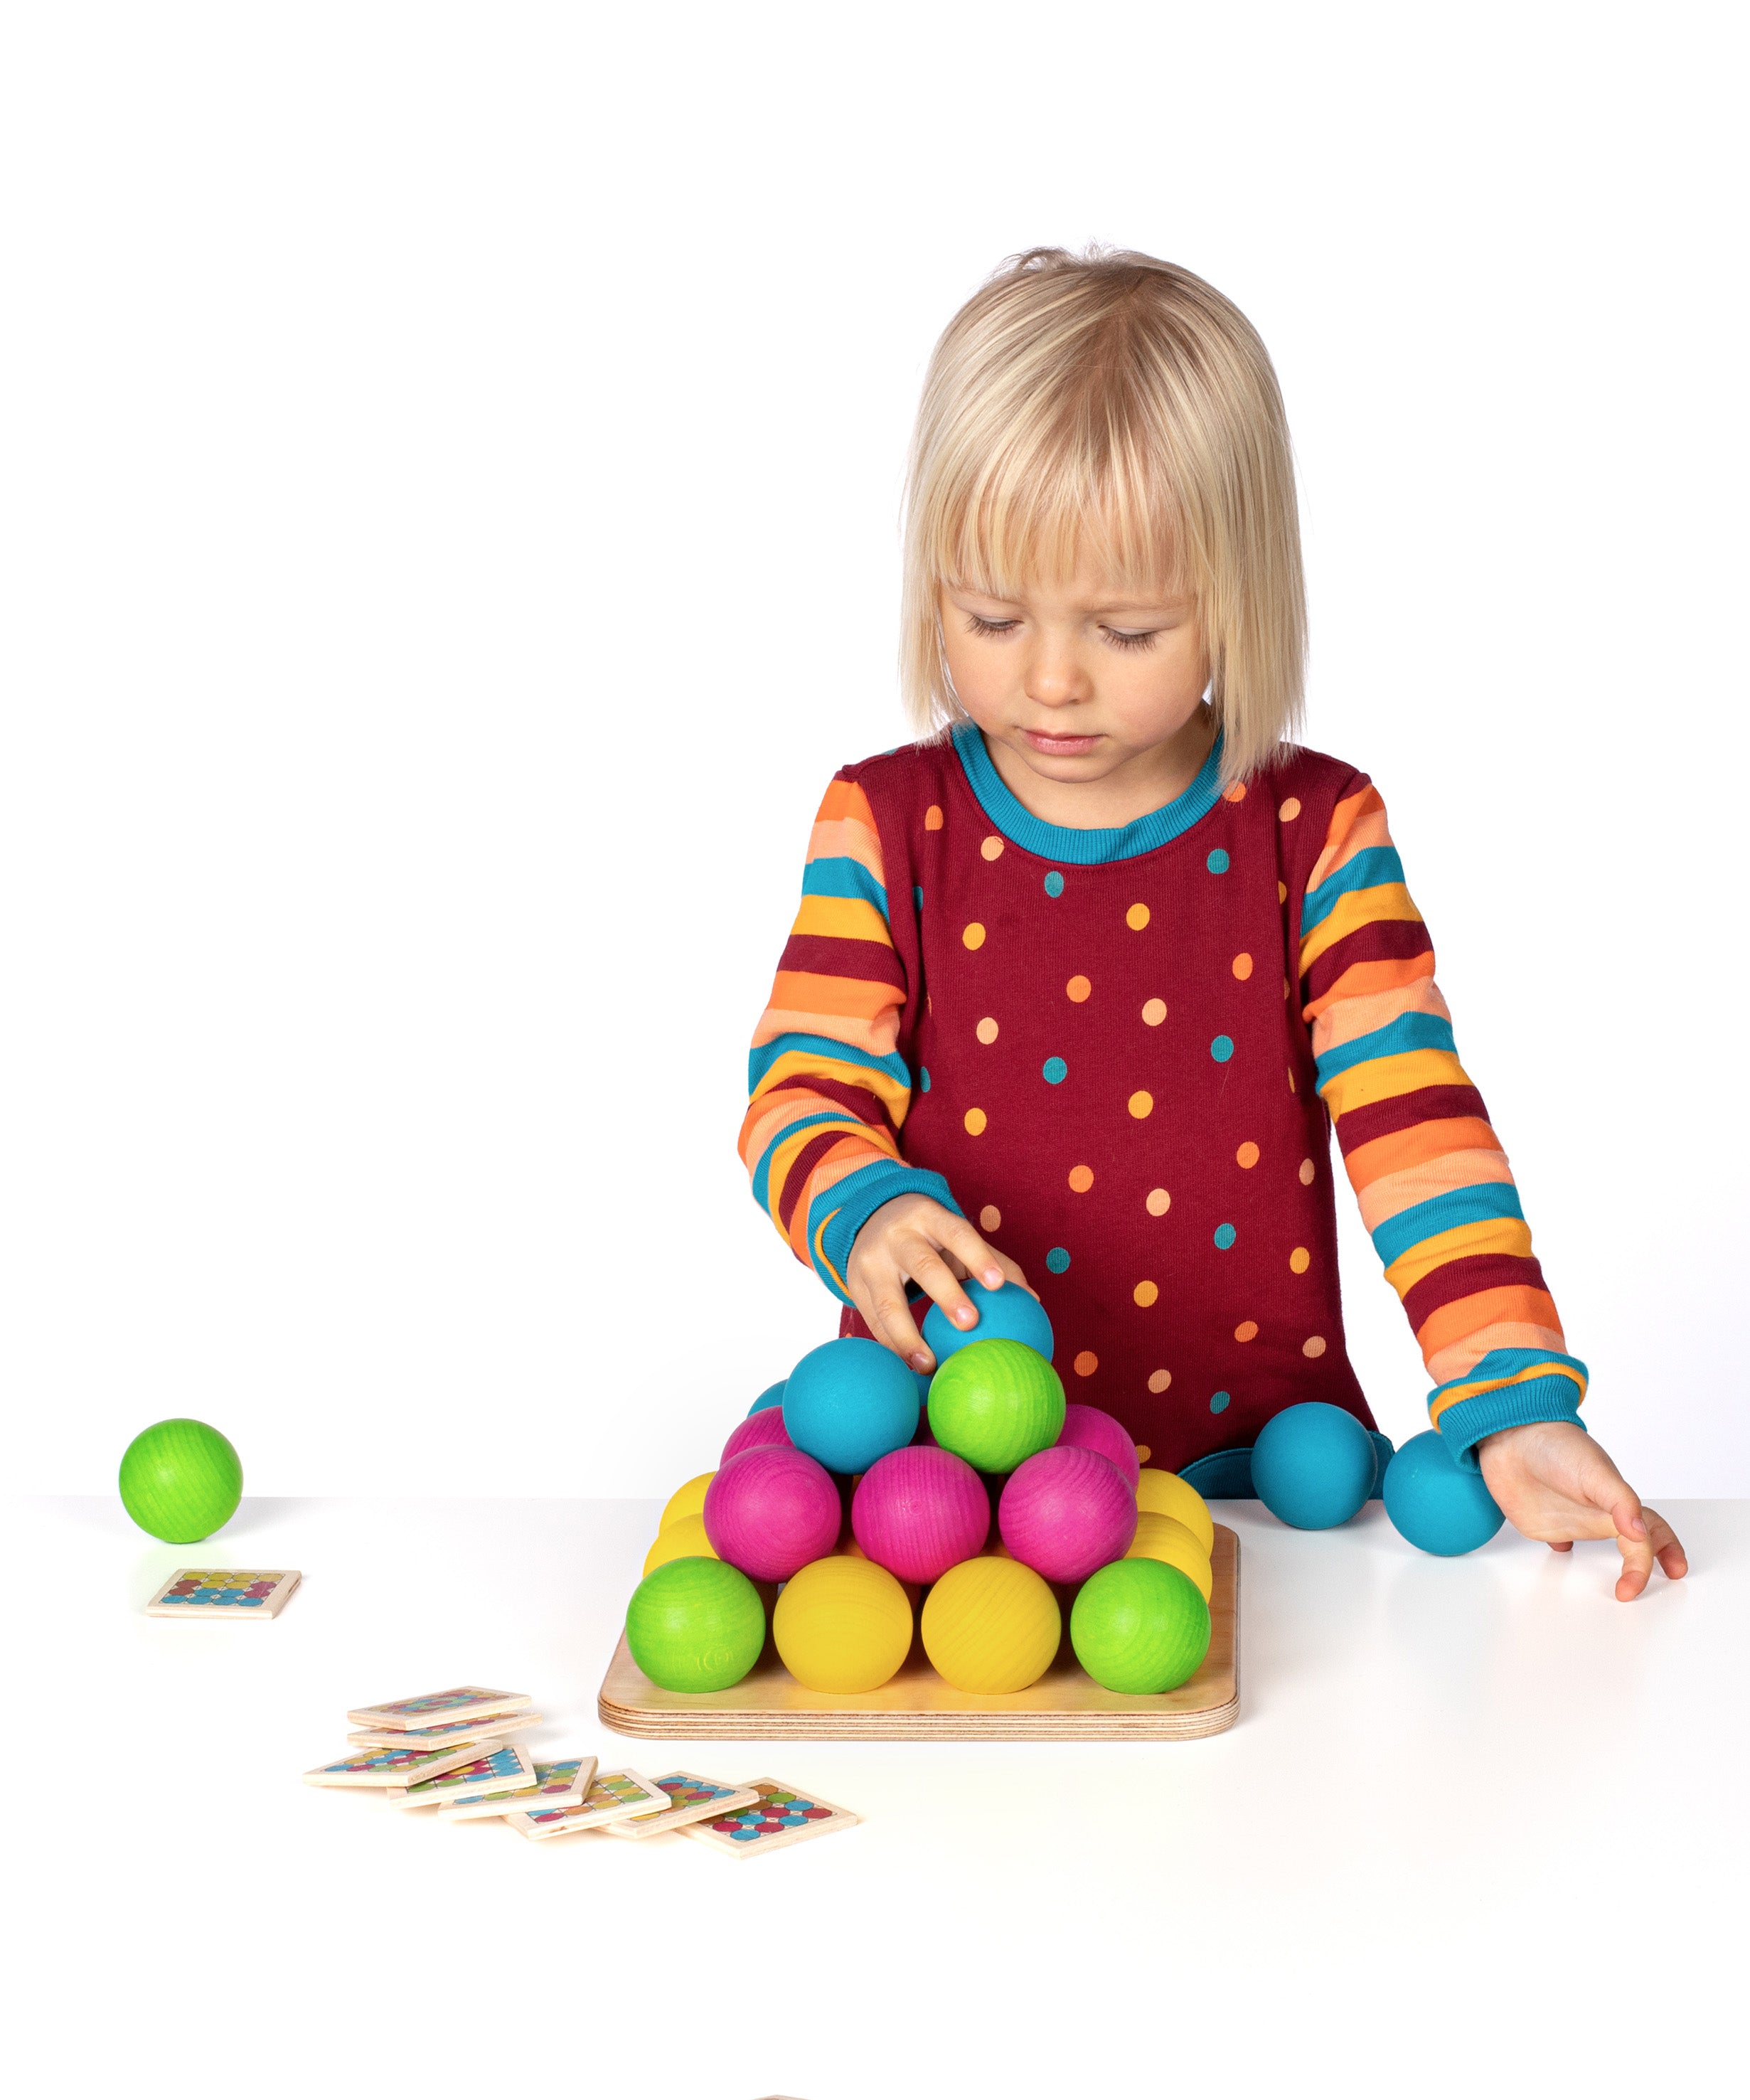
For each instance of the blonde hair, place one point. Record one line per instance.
(1111, 404)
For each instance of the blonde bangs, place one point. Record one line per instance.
(1114, 409)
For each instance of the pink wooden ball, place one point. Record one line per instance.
(919, 1511)
(767, 1427)
(1094, 1429)
(1064, 1512)
(771, 1511)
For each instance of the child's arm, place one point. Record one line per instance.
(830, 1095)
(1437, 1196)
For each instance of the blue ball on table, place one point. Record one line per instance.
(1313, 1466)
(1438, 1504)
(773, 1396)
(850, 1402)
(1007, 1314)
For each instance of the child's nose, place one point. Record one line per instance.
(1056, 678)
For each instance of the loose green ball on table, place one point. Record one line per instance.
(695, 1626)
(1139, 1626)
(996, 1403)
(181, 1480)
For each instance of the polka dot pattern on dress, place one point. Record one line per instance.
(1087, 1363)
(1247, 1154)
(1159, 1381)
(1080, 1179)
(1154, 1013)
(990, 1219)
(987, 1030)
(1313, 1346)
(1247, 1331)
(976, 1123)
(1053, 883)
(1056, 1071)
(1300, 1261)
(992, 848)
(1218, 1402)
(1057, 1260)
(1137, 917)
(1218, 862)
(1241, 967)
(973, 936)
(1224, 1237)
(932, 818)
(1141, 1104)
(1222, 1049)
(1157, 1202)
(1146, 1293)
(1078, 988)
(1308, 1170)
(1290, 809)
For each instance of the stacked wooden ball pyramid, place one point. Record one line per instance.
(983, 1514)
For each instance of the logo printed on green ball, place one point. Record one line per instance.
(996, 1403)
(695, 1625)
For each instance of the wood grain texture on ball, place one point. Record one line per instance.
(991, 1625)
(1067, 1512)
(1094, 1429)
(771, 1511)
(919, 1512)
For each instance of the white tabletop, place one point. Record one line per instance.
(1477, 1821)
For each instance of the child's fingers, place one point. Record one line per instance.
(1668, 1550)
(889, 1313)
(957, 1238)
(928, 1270)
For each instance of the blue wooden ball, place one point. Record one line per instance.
(1007, 1314)
(1438, 1504)
(773, 1396)
(1313, 1466)
(850, 1402)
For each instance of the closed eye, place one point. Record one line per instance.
(975, 625)
(1122, 638)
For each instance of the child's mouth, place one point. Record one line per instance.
(1049, 745)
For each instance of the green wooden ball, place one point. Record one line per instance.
(1140, 1625)
(181, 1480)
(695, 1626)
(994, 1404)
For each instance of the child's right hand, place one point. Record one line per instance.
(916, 1237)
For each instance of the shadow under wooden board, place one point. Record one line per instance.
(769, 1705)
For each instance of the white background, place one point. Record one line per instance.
(451, 466)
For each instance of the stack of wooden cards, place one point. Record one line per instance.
(458, 1751)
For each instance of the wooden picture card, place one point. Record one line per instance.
(432, 1709)
(497, 1765)
(917, 1706)
(225, 1592)
(612, 1796)
(692, 1799)
(778, 1815)
(561, 1785)
(396, 1770)
(459, 1731)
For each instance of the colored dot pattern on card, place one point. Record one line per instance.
(561, 1778)
(771, 1813)
(381, 1761)
(220, 1586)
(615, 1790)
(505, 1764)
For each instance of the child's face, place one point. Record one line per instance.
(1078, 679)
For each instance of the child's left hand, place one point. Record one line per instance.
(1555, 1483)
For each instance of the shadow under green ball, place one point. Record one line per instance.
(695, 1626)
(181, 1480)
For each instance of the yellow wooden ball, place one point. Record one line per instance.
(683, 1539)
(687, 1501)
(991, 1625)
(1165, 1494)
(842, 1624)
(1165, 1538)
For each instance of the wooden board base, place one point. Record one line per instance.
(769, 1705)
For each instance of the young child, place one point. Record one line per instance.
(1099, 962)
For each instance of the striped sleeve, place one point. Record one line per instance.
(828, 1090)
(1434, 1184)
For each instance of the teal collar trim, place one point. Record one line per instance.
(1063, 842)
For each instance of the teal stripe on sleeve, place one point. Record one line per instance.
(1409, 1031)
(1555, 1396)
(842, 876)
(762, 1173)
(1442, 1214)
(764, 1055)
(1371, 867)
